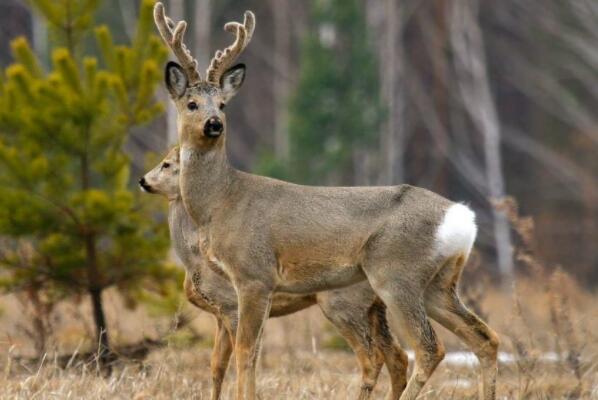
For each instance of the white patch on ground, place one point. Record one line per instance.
(457, 232)
(468, 359)
(461, 358)
(459, 383)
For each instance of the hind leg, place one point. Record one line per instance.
(444, 306)
(395, 358)
(404, 300)
(350, 318)
(370, 362)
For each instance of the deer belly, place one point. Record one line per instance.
(285, 304)
(311, 278)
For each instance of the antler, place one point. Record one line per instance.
(223, 59)
(174, 39)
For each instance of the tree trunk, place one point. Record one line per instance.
(361, 166)
(177, 13)
(40, 37)
(127, 12)
(100, 322)
(473, 83)
(391, 142)
(281, 84)
(94, 286)
(437, 46)
(94, 279)
(95, 289)
(203, 16)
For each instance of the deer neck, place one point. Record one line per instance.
(206, 178)
(176, 215)
(184, 235)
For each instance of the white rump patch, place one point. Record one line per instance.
(457, 232)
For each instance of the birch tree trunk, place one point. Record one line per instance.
(281, 83)
(472, 76)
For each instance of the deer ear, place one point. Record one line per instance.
(231, 81)
(176, 79)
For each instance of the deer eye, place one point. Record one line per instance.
(222, 106)
(192, 106)
(165, 165)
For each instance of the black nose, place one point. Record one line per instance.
(213, 127)
(143, 184)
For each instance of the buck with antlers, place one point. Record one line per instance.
(270, 236)
(356, 312)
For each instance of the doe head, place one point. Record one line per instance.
(163, 179)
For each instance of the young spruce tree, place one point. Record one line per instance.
(71, 220)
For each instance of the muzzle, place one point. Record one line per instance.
(144, 185)
(213, 127)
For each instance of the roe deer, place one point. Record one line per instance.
(356, 312)
(270, 236)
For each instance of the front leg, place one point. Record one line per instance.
(255, 300)
(223, 347)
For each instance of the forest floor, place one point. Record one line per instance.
(184, 374)
(549, 350)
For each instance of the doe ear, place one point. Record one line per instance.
(176, 79)
(231, 81)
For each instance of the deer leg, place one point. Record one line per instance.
(355, 330)
(220, 357)
(254, 307)
(394, 356)
(405, 306)
(370, 361)
(445, 307)
(229, 323)
(420, 335)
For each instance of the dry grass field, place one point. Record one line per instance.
(547, 322)
(549, 351)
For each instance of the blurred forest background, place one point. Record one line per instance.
(474, 100)
(477, 100)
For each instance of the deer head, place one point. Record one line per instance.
(200, 102)
(163, 179)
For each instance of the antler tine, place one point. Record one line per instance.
(223, 59)
(174, 40)
(170, 23)
(248, 23)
